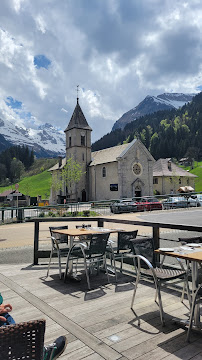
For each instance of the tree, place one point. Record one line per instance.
(192, 154)
(68, 176)
(2, 172)
(71, 174)
(16, 170)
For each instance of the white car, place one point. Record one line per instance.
(197, 198)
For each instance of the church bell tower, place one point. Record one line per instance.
(78, 147)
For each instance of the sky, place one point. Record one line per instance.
(117, 51)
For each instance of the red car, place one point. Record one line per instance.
(148, 203)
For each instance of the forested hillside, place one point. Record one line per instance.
(165, 133)
(14, 161)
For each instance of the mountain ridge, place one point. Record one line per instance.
(46, 140)
(151, 104)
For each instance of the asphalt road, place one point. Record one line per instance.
(16, 240)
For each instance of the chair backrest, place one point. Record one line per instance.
(195, 239)
(83, 226)
(98, 244)
(22, 341)
(124, 238)
(144, 247)
(59, 237)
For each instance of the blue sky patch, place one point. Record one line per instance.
(41, 61)
(199, 87)
(15, 104)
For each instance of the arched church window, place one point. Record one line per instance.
(104, 173)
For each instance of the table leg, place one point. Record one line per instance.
(194, 288)
(69, 265)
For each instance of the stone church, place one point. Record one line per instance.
(122, 171)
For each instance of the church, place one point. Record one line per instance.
(122, 171)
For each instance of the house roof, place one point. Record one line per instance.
(8, 192)
(78, 119)
(108, 155)
(161, 168)
(57, 167)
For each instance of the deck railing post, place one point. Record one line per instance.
(36, 242)
(100, 223)
(2, 215)
(156, 233)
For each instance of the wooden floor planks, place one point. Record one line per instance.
(99, 324)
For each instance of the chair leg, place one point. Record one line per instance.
(87, 274)
(112, 260)
(59, 264)
(106, 269)
(135, 288)
(121, 266)
(158, 288)
(183, 292)
(51, 254)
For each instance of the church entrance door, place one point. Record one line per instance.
(138, 191)
(83, 199)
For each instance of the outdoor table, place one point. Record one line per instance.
(194, 255)
(78, 233)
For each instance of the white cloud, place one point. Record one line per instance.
(117, 51)
(64, 110)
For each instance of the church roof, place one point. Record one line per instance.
(107, 155)
(78, 119)
(165, 167)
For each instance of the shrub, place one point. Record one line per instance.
(53, 215)
(42, 214)
(86, 213)
(75, 213)
(50, 213)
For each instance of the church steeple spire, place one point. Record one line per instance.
(78, 119)
(77, 89)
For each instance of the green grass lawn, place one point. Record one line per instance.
(35, 185)
(197, 171)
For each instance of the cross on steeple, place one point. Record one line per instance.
(77, 89)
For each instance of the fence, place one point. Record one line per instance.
(101, 208)
(156, 226)
(14, 214)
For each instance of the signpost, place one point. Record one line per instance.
(16, 187)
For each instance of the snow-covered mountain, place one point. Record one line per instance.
(152, 104)
(46, 140)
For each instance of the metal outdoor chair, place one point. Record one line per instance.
(143, 250)
(191, 240)
(197, 299)
(92, 254)
(123, 248)
(59, 246)
(22, 341)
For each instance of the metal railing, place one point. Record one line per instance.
(99, 208)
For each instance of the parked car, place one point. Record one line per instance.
(197, 198)
(148, 203)
(121, 206)
(180, 202)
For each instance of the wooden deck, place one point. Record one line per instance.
(99, 324)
